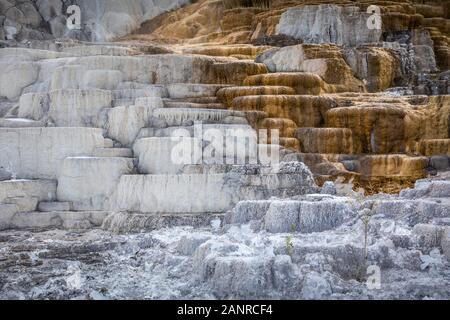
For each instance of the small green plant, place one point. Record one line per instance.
(293, 228)
(289, 245)
(365, 216)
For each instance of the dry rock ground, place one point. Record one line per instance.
(308, 247)
(92, 205)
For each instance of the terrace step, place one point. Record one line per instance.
(69, 220)
(113, 152)
(137, 222)
(285, 126)
(190, 90)
(122, 102)
(192, 105)
(88, 182)
(52, 206)
(20, 123)
(178, 116)
(227, 94)
(211, 99)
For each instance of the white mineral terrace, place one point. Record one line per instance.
(139, 170)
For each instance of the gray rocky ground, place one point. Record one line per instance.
(256, 252)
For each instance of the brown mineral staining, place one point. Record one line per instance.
(305, 111)
(393, 165)
(286, 127)
(376, 128)
(434, 147)
(303, 83)
(226, 95)
(325, 140)
(326, 99)
(234, 72)
(377, 66)
(243, 50)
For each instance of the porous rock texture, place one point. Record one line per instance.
(336, 160)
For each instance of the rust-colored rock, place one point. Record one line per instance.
(393, 165)
(305, 111)
(303, 83)
(312, 85)
(376, 128)
(434, 147)
(226, 95)
(325, 140)
(234, 72)
(285, 127)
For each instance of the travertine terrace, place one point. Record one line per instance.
(355, 104)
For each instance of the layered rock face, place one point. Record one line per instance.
(232, 117)
(100, 19)
(314, 48)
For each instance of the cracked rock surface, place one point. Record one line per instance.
(247, 255)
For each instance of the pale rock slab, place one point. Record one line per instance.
(33, 105)
(79, 108)
(292, 59)
(125, 122)
(290, 216)
(169, 155)
(100, 50)
(106, 20)
(282, 216)
(113, 152)
(67, 77)
(155, 193)
(328, 23)
(37, 153)
(154, 69)
(430, 189)
(28, 54)
(248, 210)
(318, 216)
(428, 236)
(23, 204)
(62, 220)
(154, 102)
(413, 211)
(5, 174)
(126, 222)
(88, 182)
(7, 212)
(101, 79)
(15, 77)
(52, 206)
(43, 190)
(230, 144)
(213, 193)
